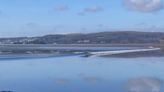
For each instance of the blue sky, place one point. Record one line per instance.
(41, 17)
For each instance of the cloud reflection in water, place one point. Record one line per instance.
(144, 84)
(62, 81)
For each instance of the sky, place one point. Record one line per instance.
(42, 17)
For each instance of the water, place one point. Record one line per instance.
(76, 74)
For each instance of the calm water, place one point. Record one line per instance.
(76, 74)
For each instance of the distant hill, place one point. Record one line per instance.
(126, 37)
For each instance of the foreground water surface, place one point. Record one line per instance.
(79, 74)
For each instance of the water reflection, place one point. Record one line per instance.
(93, 79)
(144, 84)
(62, 81)
(78, 74)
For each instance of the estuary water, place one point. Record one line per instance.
(80, 74)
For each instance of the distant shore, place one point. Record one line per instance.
(80, 45)
(74, 49)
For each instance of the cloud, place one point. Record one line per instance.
(81, 13)
(144, 84)
(146, 27)
(100, 25)
(94, 9)
(144, 5)
(31, 24)
(61, 8)
(141, 24)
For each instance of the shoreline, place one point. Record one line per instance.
(39, 50)
(159, 53)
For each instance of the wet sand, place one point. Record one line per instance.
(159, 53)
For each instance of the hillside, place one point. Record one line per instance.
(126, 37)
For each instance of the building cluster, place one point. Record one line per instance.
(14, 41)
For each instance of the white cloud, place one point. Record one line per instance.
(61, 8)
(144, 5)
(94, 9)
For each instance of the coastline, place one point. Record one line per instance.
(159, 53)
(41, 50)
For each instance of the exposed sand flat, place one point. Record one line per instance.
(159, 53)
